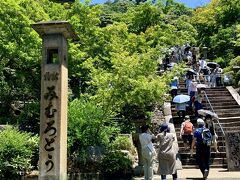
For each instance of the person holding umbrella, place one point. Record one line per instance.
(211, 126)
(181, 103)
(181, 110)
(212, 65)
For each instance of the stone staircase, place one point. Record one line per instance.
(228, 111)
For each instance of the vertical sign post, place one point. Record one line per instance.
(54, 98)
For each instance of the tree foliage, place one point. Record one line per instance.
(217, 26)
(114, 62)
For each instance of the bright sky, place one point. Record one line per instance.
(194, 3)
(189, 3)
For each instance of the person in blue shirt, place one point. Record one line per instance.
(202, 150)
(174, 86)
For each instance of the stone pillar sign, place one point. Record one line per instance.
(232, 150)
(54, 97)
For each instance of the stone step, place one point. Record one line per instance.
(238, 130)
(210, 93)
(223, 103)
(216, 158)
(230, 124)
(211, 166)
(222, 149)
(216, 107)
(213, 161)
(223, 110)
(228, 114)
(220, 101)
(218, 131)
(187, 154)
(230, 119)
(220, 115)
(183, 88)
(212, 90)
(219, 110)
(231, 128)
(220, 134)
(220, 98)
(214, 93)
(216, 89)
(220, 142)
(226, 107)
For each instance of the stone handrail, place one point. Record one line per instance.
(234, 94)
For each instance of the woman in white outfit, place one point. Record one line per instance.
(148, 151)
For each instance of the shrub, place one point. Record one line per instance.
(123, 143)
(89, 126)
(116, 163)
(220, 61)
(16, 152)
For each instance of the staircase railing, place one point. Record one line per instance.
(214, 112)
(224, 142)
(211, 107)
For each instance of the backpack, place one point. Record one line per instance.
(206, 137)
(188, 128)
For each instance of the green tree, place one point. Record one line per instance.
(19, 54)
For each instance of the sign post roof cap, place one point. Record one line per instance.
(55, 27)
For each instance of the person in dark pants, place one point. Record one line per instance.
(192, 90)
(202, 150)
(211, 126)
(198, 101)
(218, 71)
(181, 110)
(186, 132)
(174, 86)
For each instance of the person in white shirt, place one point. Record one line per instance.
(148, 151)
(203, 64)
(213, 76)
(192, 89)
(219, 72)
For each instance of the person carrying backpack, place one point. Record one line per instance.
(186, 132)
(202, 140)
(211, 126)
